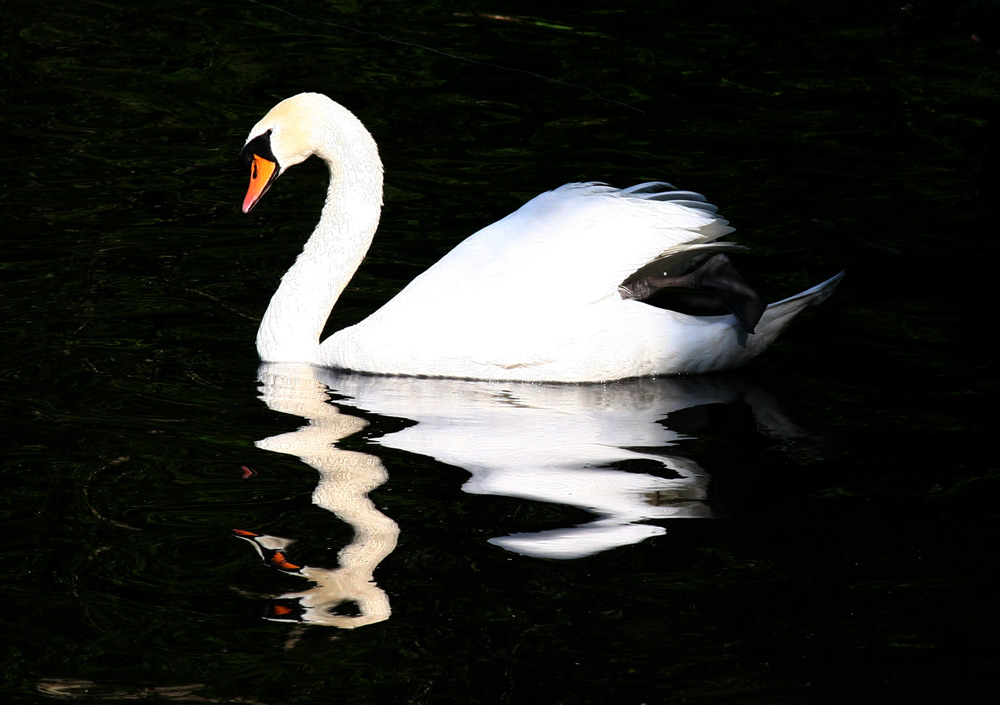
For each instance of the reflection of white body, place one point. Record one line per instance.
(550, 443)
(534, 296)
(540, 442)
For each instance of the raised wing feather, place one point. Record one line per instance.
(579, 243)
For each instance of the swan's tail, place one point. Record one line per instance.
(779, 314)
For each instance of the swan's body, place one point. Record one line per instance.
(541, 295)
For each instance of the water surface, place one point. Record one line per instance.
(816, 528)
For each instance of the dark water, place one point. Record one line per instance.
(850, 470)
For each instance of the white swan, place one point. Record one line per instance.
(550, 293)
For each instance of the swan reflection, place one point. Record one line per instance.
(345, 479)
(602, 448)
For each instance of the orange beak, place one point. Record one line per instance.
(262, 173)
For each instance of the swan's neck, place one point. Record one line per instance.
(294, 320)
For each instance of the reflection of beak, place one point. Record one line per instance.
(262, 173)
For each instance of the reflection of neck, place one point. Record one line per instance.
(346, 478)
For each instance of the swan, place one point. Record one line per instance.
(554, 292)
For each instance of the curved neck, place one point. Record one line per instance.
(294, 320)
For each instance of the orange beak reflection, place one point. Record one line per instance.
(262, 173)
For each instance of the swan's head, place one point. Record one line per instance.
(293, 130)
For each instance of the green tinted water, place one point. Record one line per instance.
(848, 558)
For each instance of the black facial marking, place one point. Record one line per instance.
(259, 145)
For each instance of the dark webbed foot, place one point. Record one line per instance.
(714, 282)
